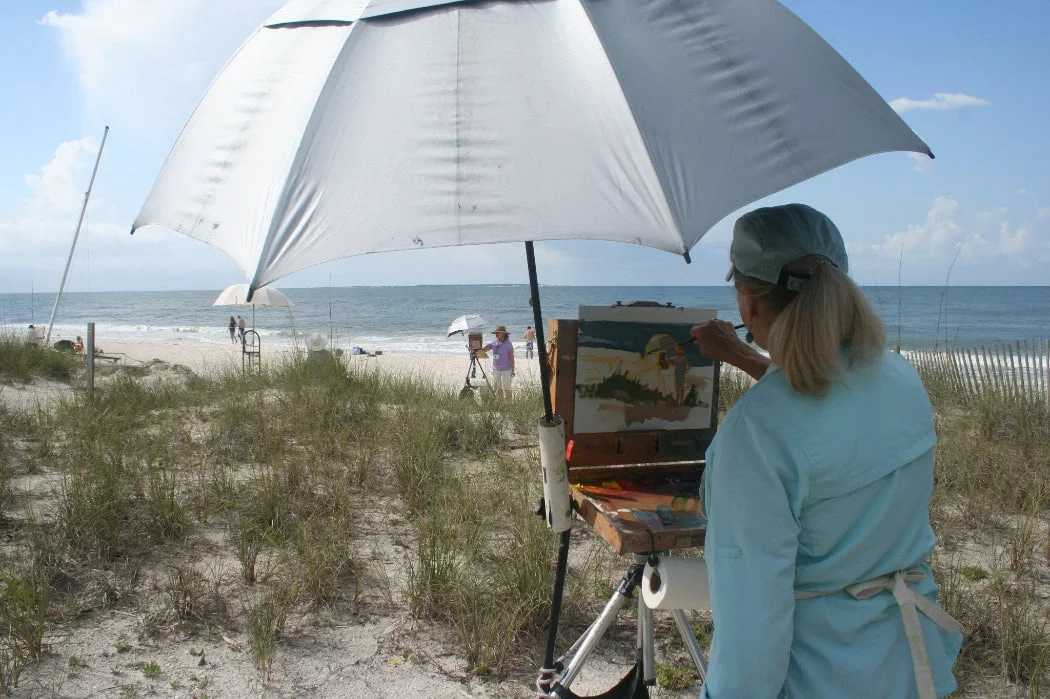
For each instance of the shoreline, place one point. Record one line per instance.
(442, 368)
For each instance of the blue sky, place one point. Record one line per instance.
(68, 67)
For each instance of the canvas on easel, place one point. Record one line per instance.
(637, 369)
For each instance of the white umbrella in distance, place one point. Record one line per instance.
(465, 324)
(237, 295)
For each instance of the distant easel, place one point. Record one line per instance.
(471, 382)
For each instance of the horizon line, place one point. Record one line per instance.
(525, 284)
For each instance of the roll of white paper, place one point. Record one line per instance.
(555, 474)
(676, 583)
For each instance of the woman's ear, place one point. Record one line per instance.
(748, 308)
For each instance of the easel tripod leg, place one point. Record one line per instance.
(623, 592)
(646, 642)
(590, 640)
(691, 644)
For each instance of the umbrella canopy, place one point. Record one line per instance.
(237, 295)
(464, 324)
(344, 127)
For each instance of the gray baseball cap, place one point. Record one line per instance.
(767, 239)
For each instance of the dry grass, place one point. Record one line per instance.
(282, 465)
(289, 466)
(22, 361)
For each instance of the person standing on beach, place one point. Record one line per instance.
(818, 485)
(233, 329)
(502, 361)
(240, 327)
(529, 337)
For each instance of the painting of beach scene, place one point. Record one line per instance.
(637, 370)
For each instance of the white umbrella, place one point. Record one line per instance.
(344, 127)
(464, 324)
(237, 295)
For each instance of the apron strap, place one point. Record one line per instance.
(910, 605)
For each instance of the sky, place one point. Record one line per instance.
(969, 77)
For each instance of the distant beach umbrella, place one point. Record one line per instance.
(465, 324)
(237, 295)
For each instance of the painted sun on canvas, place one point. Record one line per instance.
(637, 370)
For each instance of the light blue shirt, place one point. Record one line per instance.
(817, 494)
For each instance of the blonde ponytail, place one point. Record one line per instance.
(818, 333)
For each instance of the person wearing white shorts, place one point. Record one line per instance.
(502, 362)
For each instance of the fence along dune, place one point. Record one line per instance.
(1016, 371)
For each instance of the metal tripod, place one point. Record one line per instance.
(625, 589)
(472, 373)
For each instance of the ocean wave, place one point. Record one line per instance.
(271, 337)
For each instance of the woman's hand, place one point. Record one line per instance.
(716, 339)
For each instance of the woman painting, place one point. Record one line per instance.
(502, 361)
(818, 486)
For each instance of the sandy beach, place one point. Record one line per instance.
(442, 369)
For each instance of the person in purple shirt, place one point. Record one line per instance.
(502, 361)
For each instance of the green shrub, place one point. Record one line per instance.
(25, 361)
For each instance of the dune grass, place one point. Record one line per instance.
(284, 465)
(294, 467)
(22, 361)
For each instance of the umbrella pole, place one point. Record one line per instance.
(545, 682)
(537, 316)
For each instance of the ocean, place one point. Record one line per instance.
(415, 318)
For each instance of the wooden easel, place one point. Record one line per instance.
(612, 477)
(652, 469)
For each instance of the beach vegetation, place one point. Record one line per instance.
(23, 361)
(238, 506)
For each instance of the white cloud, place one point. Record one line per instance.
(55, 195)
(940, 101)
(1043, 213)
(922, 162)
(35, 238)
(950, 233)
(144, 65)
(1022, 191)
